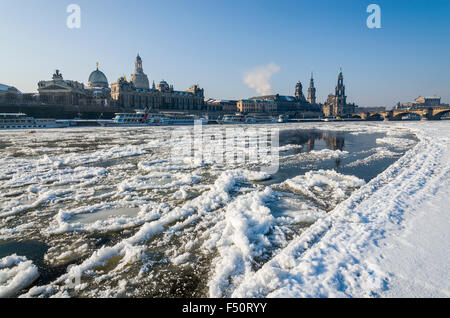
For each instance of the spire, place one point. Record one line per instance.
(312, 91)
(139, 78)
(97, 66)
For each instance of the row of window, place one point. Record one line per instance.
(15, 121)
(21, 127)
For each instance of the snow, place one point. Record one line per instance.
(396, 142)
(423, 248)
(244, 236)
(361, 248)
(16, 273)
(129, 250)
(380, 153)
(289, 147)
(316, 155)
(336, 235)
(325, 187)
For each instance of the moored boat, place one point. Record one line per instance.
(22, 121)
(237, 119)
(147, 119)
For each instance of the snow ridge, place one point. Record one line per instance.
(339, 255)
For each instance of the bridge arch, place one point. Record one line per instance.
(376, 116)
(412, 115)
(439, 114)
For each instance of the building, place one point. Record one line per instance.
(336, 105)
(139, 78)
(9, 94)
(312, 92)
(422, 102)
(371, 109)
(256, 106)
(299, 92)
(61, 92)
(220, 105)
(295, 104)
(137, 93)
(98, 91)
(98, 79)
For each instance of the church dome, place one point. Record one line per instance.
(163, 86)
(97, 79)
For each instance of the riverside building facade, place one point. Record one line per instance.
(256, 106)
(136, 93)
(59, 91)
(293, 104)
(422, 102)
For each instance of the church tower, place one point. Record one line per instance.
(299, 92)
(312, 92)
(340, 98)
(138, 65)
(139, 78)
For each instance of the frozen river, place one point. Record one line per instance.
(129, 213)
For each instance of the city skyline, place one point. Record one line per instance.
(404, 59)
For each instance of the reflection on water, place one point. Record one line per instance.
(355, 146)
(308, 138)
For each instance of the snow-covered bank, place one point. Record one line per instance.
(419, 256)
(390, 238)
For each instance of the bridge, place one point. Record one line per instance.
(432, 113)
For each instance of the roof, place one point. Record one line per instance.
(6, 88)
(98, 77)
(286, 98)
(281, 98)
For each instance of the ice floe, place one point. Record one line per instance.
(16, 273)
(325, 187)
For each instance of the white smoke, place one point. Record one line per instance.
(259, 78)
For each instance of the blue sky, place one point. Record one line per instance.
(217, 42)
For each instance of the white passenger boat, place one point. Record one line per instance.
(237, 119)
(22, 121)
(240, 119)
(146, 119)
(260, 119)
(130, 119)
(185, 120)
